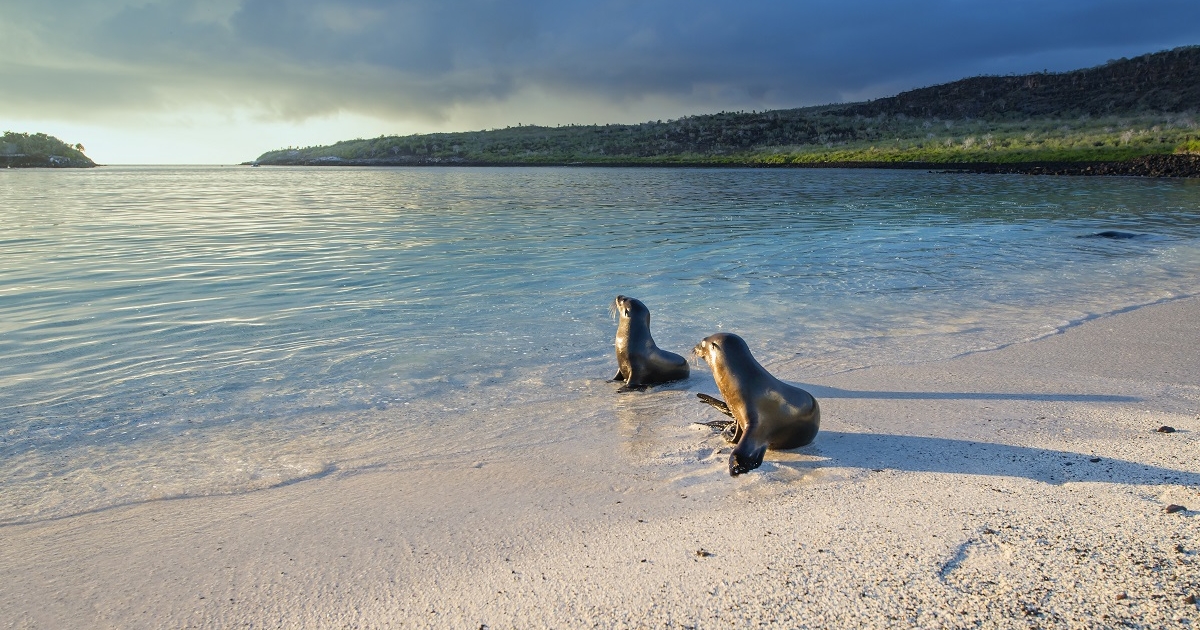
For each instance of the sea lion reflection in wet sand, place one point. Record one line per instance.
(767, 412)
(640, 363)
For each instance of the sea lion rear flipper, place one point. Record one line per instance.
(716, 403)
(732, 432)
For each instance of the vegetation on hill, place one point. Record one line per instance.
(40, 150)
(1123, 110)
(1160, 82)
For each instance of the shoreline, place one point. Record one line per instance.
(1024, 486)
(1167, 165)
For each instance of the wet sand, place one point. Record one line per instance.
(1021, 487)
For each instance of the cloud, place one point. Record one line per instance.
(428, 59)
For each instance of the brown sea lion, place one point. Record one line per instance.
(767, 412)
(640, 363)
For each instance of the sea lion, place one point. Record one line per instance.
(1115, 235)
(767, 412)
(640, 363)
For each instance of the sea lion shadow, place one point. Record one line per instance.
(822, 391)
(880, 452)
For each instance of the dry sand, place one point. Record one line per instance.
(1020, 487)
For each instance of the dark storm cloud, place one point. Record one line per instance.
(418, 58)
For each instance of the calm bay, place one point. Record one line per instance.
(190, 331)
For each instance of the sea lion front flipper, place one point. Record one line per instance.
(716, 403)
(751, 446)
(743, 460)
(631, 388)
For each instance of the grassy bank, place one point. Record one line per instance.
(879, 139)
(1111, 139)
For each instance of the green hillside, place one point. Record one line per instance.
(22, 150)
(1124, 110)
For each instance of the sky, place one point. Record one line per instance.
(223, 81)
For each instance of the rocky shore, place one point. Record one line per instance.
(43, 161)
(1173, 165)
(1148, 166)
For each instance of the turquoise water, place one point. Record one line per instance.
(198, 330)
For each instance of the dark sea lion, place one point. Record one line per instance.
(1115, 235)
(767, 412)
(640, 363)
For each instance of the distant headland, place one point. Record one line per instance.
(23, 150)
(1127, 117)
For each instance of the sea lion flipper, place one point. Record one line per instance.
(746, 457)
(716, 403)
(732, 433)
(631, 388)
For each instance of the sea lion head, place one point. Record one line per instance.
(624, 307)
(716, 349)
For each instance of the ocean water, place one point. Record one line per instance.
(186, 331)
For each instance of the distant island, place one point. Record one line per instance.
(1127, 117)
(22, 150)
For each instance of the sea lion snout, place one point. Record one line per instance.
(625, 306)
(702, 352)
(706, 345)
(614, 309)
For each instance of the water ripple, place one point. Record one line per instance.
(153, 316)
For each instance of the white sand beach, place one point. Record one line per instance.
(1020, 487)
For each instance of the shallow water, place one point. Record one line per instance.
(183, 331)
